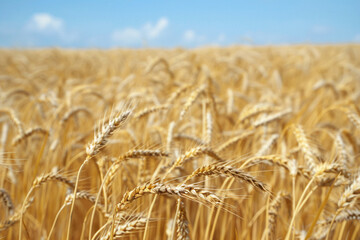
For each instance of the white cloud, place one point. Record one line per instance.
(189, 36)
(320, 29)
(153, 31)
(357, 38)
(221, 38)
(127, 36)
(46, 28)
(44, 22)
(134, 36)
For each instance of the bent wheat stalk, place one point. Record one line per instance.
(229, 171)
(94, 147)
(186, 191)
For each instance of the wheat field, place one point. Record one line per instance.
(210, 143)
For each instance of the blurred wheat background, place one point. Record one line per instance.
(209, 143)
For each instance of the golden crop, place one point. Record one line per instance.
(210, 143)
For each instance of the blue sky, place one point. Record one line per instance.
(106, 24)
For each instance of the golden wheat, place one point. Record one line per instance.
(185, 144)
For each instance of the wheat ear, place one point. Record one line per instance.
(100, 140)
(234, 140)
(14, 119)
(192, 98)
(187, 191)
(273, 214)
(182, 222)
(253, 110)
(28, 133)
(73, 112)
(5, 197)
(229, 171)
(305, 147)
(149, 110)
(177, 93)
(124, 229)
(130, 154)
(350, 194)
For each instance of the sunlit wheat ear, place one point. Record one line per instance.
(156, 62)
(52, 177)
(275, 160)
(234, 140)
(270, 118)
(170, 137)
(121, 230)
(45, 178)
(331, 168)
(230, 101)
(305, 147)
(328, 181)
(195, 152)
(177, 93)
(267, 145)
(209, 128)
(150, 110)
(190, 155)
(14, 118)
(273, 213)
(87, 196)
(342, 153)
(6, 199)
(253, 110)
(15, 217)
(354, 118)
(346, 215)
(182, 223)
(186, 191)
(130, 154)
(229, 171)
(196, 140)
(170, 227)
(326, 84)
(350, 194)
(192, 98)
(29, 133)
(73, 112)
(101, 138)
(17, 92)
(293, 167)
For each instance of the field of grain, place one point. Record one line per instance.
(209, 143)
